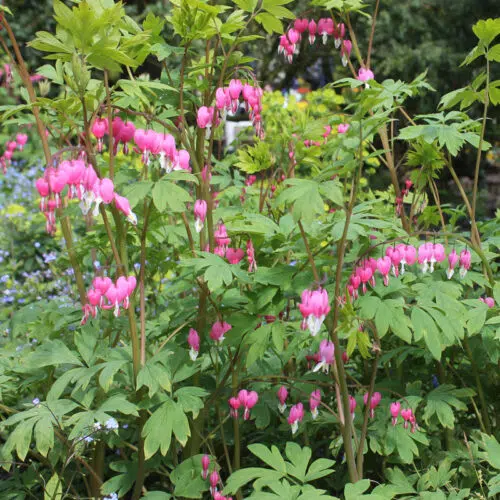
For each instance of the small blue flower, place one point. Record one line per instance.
(435, 382)
(36, 402)
(111, 424)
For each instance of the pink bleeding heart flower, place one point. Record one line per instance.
(424, 257)
(282, 397)
(314, 402)
(200, 213)
(395, 409)
(342, 128)
(234, 255)
(252, 263)
(300, 25)
(183, 159)
(352, 406)
(452, 263)
(409, 255)
(127, 132)
(221, 236)
(123, 205)
(205, 464)
(218, 330)
(345, 51)
(465, 261)
(234, 405)
(214, 481)
(312, 28)
(99, 129)
(21, 140)
(365, 74)
(314, 308)
(374, 402)
(194, 344)
(102, 284)
(326, 356)
(439, 253)
(295, 416)
(205, 117)
(220, 99)
(248, 400)
(384, 267)
(489, 301)
(293, 35)
(409, 418)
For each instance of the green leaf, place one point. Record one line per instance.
(424, 327)
(354, 491)
(475, 318)
(246, 5)
(494, 53)
(137, 192)
(52, 353)
(271, 457)
(319, 468)
(487, 29)
(187, 478)
(258, 341)
(53, 489)
(269, 22)
(109, 371)
(299, 458)
(243, 476)
(154, 376)
(120, 404)
(190, 399)
(492, 448)
(305, 196)
(166, 194)
(158, 431)
(44, 435)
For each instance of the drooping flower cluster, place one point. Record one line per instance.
(325, 27)
(314, 308)
(147, 142)
(400, 198)
(83, 183)
(123, 132)
(397, 257)
(228, 99)
(213, 478)
(108, 295)
(245, 399)
(10, 147)
(407, 415)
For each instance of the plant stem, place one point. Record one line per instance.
(481, 140)
(110, 127)
(346, 429)
(309, 253)
(364, 428)
(142, 275)
(479, 385)
(372, 34)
